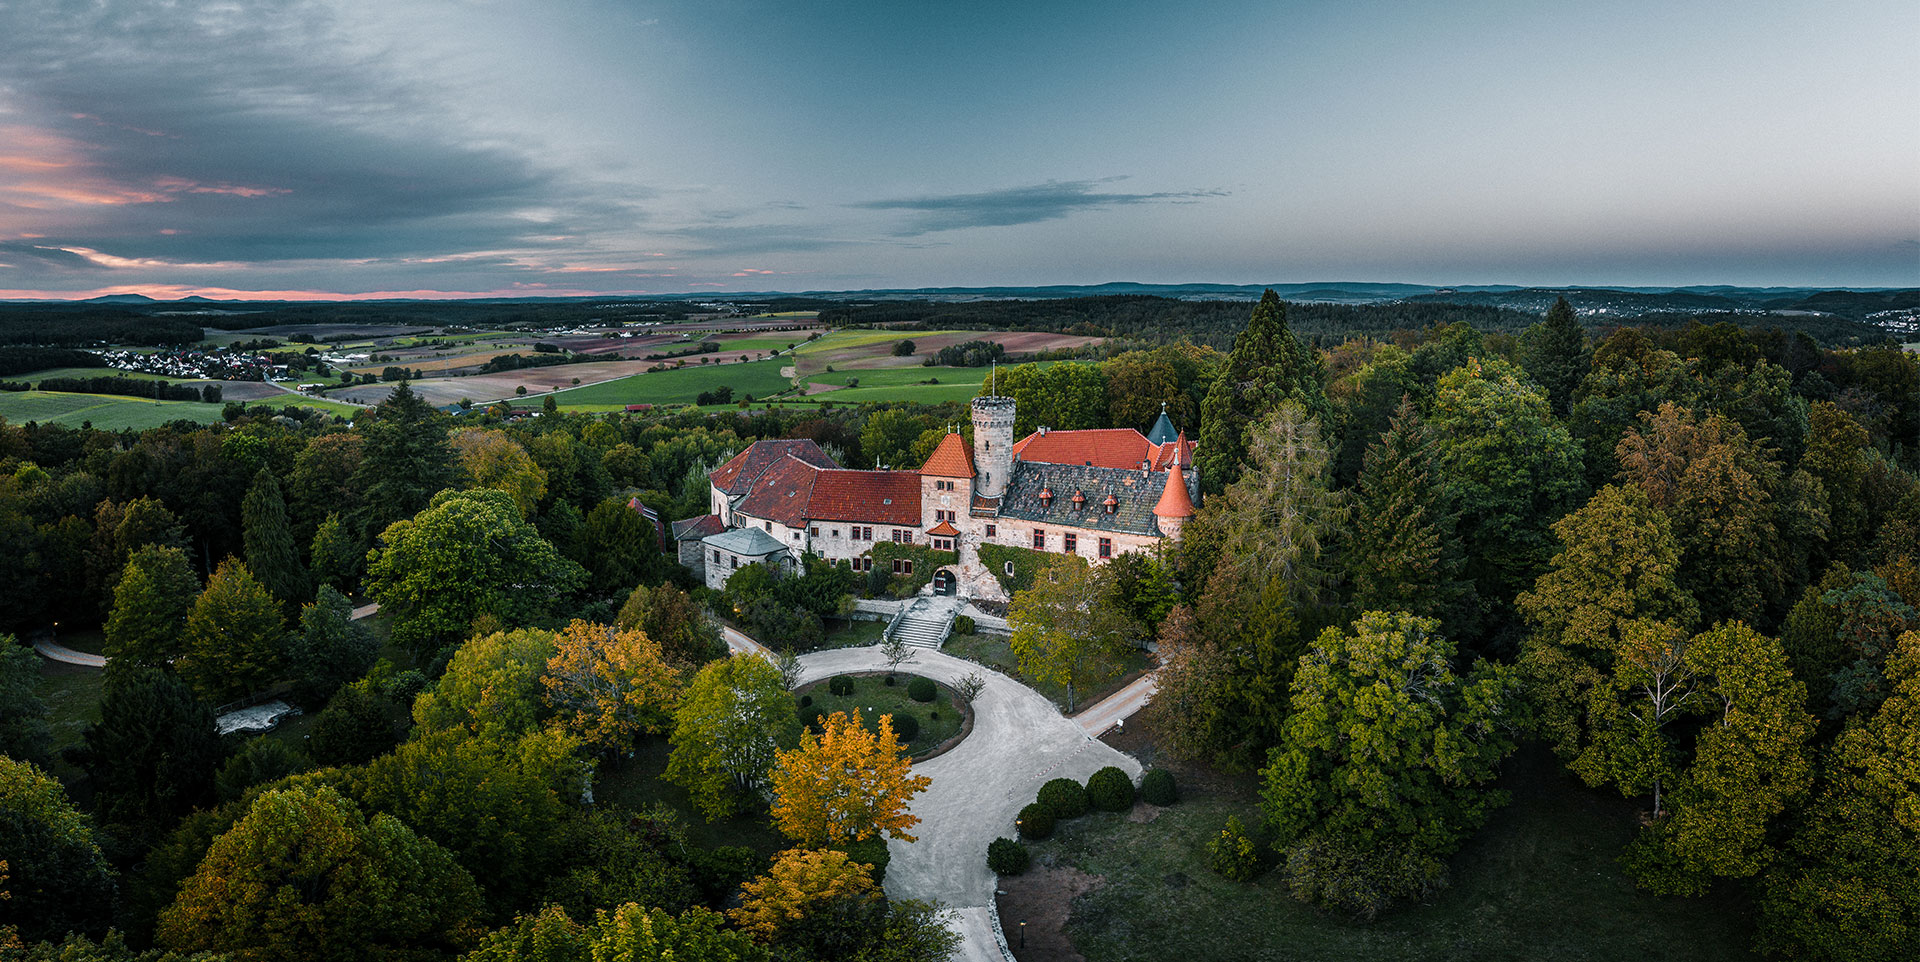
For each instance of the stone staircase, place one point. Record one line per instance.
(923, 628)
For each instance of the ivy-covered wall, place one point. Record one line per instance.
(925, 562)
(1027, 564)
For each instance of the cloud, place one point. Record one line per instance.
(1020, 205)
(198, 133)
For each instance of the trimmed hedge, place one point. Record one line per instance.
(905, 727)
(1064, 797)
(1110, 790)
(840, 685)
(922, 689)
(964, 625)
(1007, 857)
(1157, 788)
(1035, 822)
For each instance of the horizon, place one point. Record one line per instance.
(343, 150)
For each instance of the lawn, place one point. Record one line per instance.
(1540, 882)
(638, 783)
(682, 386)
(872, 697)
(91, 372)
(994, 652)
(72, 694)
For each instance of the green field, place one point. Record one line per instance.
(37, 376)
(748, 345)
(311, 403)
(106, 411)
(682, 386)
(1541, 881)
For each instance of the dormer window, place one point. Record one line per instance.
(1112, 504)
(1079, 500)
(1046, 497)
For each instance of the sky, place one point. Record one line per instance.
(330, 148)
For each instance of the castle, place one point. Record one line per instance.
(1093, 493)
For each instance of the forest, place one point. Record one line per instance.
(1681, 557)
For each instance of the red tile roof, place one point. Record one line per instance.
(1174, 501)
(944, 529)
(781, 493)
(738, 474)
(880, 497)
(951, 459)
(794, 492)
(1164, 455)
(1100, 447)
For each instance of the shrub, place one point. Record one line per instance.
(922, 689)
(872, 851)
(1233, 854)
(964, 625)
(1157, 788)
(889, 681)
(1035, 822)
(840, 685)
(906, 728)
(806, 701)
(817, 722)
(1064, 797)
(1110, 790)
(1324, 872)
(1007, 857)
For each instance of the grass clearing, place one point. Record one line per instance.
(681, 386)
(639, 782)
(72, 694)
(1541, 882)
(91, 372)
(939, 719)
(996, 652)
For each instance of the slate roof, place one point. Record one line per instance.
(734, 477)
(1135, 492)
(950, 460)
(1162, 431)
(747, 542)
(697, 528)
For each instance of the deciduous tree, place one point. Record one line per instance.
(24, 732)
(733, 719)
(491, 459)
(305, 876)
(492, 687)
(150, 606)
(847, 785)
(1387, 750)
(1062, 633)
(235, 636)
(668, 616)
(59, 880)
(469, 553)
(609, 687)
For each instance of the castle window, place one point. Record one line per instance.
(716, 556)
(1072, 542)
(1106, 547)
(1039, 540)
(1008, 568)
(813, 531)
(992, 530)
(943, 544)
(903, 566)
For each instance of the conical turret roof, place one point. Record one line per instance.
(1174, 501)
(1162, 429)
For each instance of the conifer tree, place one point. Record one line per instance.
(1267, 365)
(1404, 555)
(1554, 353)
(405, 461)
(269, 540)
(152, 755)
(337, 555)
(235, 635)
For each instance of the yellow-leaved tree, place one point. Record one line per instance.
(847, 785)
(800, 882)
(609, 686)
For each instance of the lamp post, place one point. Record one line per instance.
(1023, 933)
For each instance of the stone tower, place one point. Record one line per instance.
(992, 445)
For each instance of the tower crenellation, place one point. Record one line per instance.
(992, 445)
